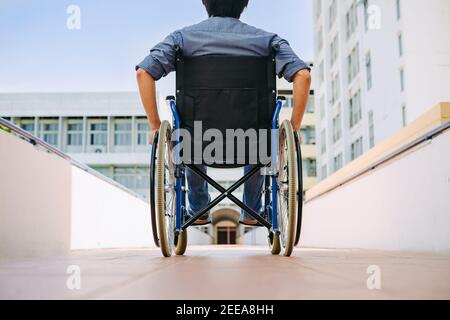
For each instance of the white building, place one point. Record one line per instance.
(380, 64)
(107, 131)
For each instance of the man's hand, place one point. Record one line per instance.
(153, 131)
(299, 133)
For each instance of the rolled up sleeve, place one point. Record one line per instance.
(161, 60)
(287, 62)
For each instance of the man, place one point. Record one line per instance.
(223, 33)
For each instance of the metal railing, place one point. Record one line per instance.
(422, 139)
(12, 128)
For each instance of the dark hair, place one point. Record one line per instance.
(225, 8)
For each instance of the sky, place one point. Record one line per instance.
(38, 53)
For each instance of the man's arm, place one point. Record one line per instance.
(147, 89)
(302, 86)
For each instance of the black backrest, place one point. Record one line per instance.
(226, 92)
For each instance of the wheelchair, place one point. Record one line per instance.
(226, 92)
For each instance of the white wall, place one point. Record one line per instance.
(48, 207)
(104, 216)
(257, 237)
(35, 197)
(404, 205)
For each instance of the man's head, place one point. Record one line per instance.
(225, 8)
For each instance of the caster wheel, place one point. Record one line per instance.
(181, 243)
(275, 244)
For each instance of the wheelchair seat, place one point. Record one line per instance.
(226, 93)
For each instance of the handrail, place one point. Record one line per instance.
(424, 138)
(49, 148)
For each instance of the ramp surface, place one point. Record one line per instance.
(229, 273)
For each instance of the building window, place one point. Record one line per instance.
(371, 130)
(332, 13)
(337, 125)
(122, 132)
(335, 89)
(27, 124)
(289, 102)
(402, 80)
(324, 172)
(323, 141)
(399, 9)
(106, 171)
(308, 135)
(133, 178)
(142, 180)
(404, 116)
(319, 39)
(49, 131)
(143, 132)
(322, 107)
(338, 162)
(321, 73)
(310, 106)
(366, 15)
(369, 71)
(75, 132)
(400, 45)
(126, 177)
(357, 148)
(310, 168)
(352, 20)
(353, 63)
(334, 50)
(318, 8)
(355, 109)
(98, 132)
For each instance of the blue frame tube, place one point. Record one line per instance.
(180, 180)
(274, 165)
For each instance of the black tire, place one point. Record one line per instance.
(300, 189)
(153, 190)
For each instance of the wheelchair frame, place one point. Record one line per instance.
(271, 190)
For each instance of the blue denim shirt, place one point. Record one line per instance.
(224, 36)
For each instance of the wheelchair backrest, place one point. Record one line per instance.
(226, 92)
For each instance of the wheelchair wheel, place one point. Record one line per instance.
(288, 188)
(181, 243)
(274, 243)
(300, 189)
(165, 191)
(153, 191)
